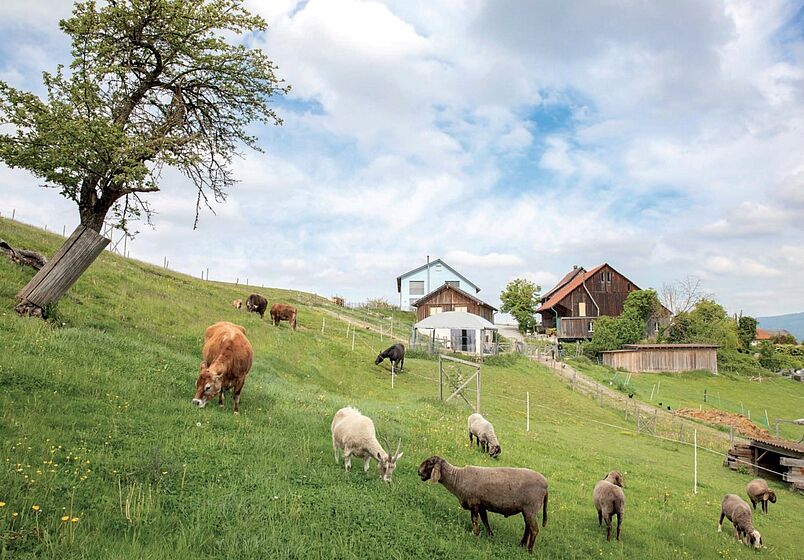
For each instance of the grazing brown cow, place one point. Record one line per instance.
(227, 361)
(237, 304)
(257, 304)
(282, 312)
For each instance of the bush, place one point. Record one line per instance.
(506, 359)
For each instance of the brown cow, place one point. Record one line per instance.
(257, 304)
(282, 312)
(227, 361)
(237, 304)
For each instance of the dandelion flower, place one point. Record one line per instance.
(15, 514)
(74, 520)
(2, 504)
(65, 517)
(35, 507)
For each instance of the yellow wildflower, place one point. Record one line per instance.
(65, 517)
(2, 504)
(75, 520)
(35, 507)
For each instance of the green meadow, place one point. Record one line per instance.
(102, 455)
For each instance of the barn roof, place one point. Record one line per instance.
(446, 286)
(763, 334)
(555, 296)
(455, 320)
(563, 282)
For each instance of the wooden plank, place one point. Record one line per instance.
(451, 359)
(45, 270)
(790, 462)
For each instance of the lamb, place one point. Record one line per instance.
(503, 490)
(354, 433)
(738, 512)
(610, 500)
(483, 431)
(758, 491)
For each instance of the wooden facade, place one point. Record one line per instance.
(655, 358)
(581, 296)
(450, 298)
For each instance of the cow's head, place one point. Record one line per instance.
(386, 463)
(379, 360)
(207, 386)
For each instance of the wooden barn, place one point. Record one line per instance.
(450, 298)
(573, 304)
(663, 358)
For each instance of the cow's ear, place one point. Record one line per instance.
(203, 365)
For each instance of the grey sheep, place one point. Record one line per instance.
(758, 492)
(503, 490)
(483, 431)
(610, 500)
(738, 512)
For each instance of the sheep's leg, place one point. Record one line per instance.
(720, 522)
(335, 449)
(532, 519)
(347, 459)
(599, 518)
(526, 534)
(764, 506)
(366, 463)
(619, 523)
(470, 437)
(475, 525)
(607, 519)
(485, 519)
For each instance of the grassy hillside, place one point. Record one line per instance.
(780, 397)
(96, 426)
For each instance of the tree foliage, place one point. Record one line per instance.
(520, 299)
(747, 331)
(153, 83)
(707, 323)
(610, 333)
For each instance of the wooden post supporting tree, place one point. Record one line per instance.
(60, 272)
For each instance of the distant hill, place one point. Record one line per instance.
(792, 323)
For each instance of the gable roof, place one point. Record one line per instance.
(455, 320)
(563, 282)
(763, 334)
(446, 286)
(555, 296)
(424, 267)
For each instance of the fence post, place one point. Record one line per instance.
(353, 339)
(695, 444)
(652, 389)
(637, 417)
(655, 414)
(767, 420)
(393, 374)
(323, 324)
(440, 380)
(477, 398)
(731, 436)
(527, 411)
(777, 427)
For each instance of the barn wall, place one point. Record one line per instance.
(663, 359)
(448, 300)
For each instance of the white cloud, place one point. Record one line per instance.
(740, 267)
(488, 260)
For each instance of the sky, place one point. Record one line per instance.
(511, 139)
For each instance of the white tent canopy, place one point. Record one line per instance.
(458, 331)
(455, 320)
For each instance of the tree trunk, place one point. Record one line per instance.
(60, 273)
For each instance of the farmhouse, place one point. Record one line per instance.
(663, 358)
(418, 282)
(572, 305)
(450, 298)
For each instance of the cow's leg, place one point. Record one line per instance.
(220, 398)
(236, 400)
(485, 519)
(402, 363)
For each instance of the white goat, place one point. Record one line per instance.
(354, 434)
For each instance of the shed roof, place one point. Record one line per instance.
(431, 263)
(780, 443)
(455, 320)
(668, 346)
(446, 286)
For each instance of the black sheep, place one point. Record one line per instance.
(396, 354)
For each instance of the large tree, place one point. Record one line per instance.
(152, 83)
(520, 299)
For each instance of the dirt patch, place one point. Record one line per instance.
(741, 424)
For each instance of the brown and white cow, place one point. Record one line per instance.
(227, 361)
(237, 304)
(282, 312)
(256, 304)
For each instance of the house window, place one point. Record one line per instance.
(656, 327)
(461, 308)
(602, 277)
(629, 286)
(435, 310)
(591, 327)
(417, 287)
(453, 283)
(608, 277)
(582, 309)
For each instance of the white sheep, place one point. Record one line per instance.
(354, 434)
(482, 429)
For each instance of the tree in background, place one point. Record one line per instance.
(681, 296)
(611, 333)
(783, 337)
(153, 83)
(520, 299)
(707, 323)
(747, 331)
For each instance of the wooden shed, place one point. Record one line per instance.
(663, 357)
(449, 298)
(770, 458)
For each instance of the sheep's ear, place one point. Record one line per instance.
(435, 476)
(765, 497)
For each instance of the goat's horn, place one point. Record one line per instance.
(398, 445)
